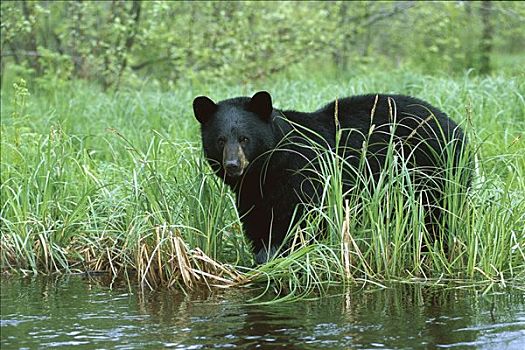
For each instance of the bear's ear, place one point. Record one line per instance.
(204, 108)
(261, 104)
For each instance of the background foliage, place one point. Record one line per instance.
(115, 41)
(101, 166)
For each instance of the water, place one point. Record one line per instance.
(75, 312)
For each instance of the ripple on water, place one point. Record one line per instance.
(66, 314)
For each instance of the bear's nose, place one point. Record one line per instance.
(232, 166)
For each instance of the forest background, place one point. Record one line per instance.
(101, 163)
(119, 43)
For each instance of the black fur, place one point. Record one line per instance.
(272, 184)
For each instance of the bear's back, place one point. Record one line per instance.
(380, 109)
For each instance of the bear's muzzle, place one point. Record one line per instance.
(234, 160)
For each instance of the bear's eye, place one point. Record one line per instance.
(221, 141)
(243, 140)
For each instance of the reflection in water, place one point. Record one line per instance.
(74, 312)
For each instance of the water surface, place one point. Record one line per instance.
(76, 312)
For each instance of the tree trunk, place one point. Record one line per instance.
(77, 36)
(341, 54)
(469, 47)
(486, 38)
(130, 39)
(31, 45)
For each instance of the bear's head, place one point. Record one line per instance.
(235, 132)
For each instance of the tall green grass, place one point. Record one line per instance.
(116, 182)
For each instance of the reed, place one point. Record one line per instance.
(116, 182)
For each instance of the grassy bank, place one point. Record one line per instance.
(115, 182)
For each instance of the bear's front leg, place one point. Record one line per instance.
(268, 222)
(264, 255)
(265, 230)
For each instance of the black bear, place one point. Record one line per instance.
(261, 152)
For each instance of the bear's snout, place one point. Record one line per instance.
(234, 160)
(233, 167)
